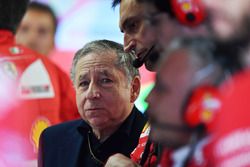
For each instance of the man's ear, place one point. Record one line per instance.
(135, 88)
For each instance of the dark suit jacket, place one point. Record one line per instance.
(60, 145)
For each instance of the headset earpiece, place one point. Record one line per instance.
(188, 12)
(202, 106)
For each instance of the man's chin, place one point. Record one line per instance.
(159, 137)
(97, 123)
(223, 37)
(150, 66)
(152, 61)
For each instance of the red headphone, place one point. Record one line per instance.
(202, 107)
(188, 12)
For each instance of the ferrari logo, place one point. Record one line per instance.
(10, 69)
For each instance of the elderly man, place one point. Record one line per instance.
(106, 85)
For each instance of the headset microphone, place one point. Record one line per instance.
(138, 62)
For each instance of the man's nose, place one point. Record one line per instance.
(31, 39)
(129, 43)
(93, 92)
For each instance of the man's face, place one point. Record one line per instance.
(36, 31)
(103, 92)
(167, 97)
(167, 28)
(144, 26)
(229, 19)
(138, 35)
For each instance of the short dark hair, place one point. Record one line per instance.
(11, 13)
(44, 8)
(115, 3)
(161, 5)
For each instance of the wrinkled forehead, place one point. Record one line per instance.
(94, 66)
(98, 63)
(95, 71)
(100, 60)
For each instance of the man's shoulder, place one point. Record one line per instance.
(240, 80)
(63, 129)
(140, 118)
(50, 65)
(139, 121)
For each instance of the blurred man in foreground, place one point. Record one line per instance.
(183, 103)
(231, 28)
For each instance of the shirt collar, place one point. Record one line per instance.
(83, 127)
(127, 126)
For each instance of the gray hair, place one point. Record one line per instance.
(201, 51)
(124, 60)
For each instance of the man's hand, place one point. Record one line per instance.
(119, 160)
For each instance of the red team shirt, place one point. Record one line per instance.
(231, 142)
(41, 95)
